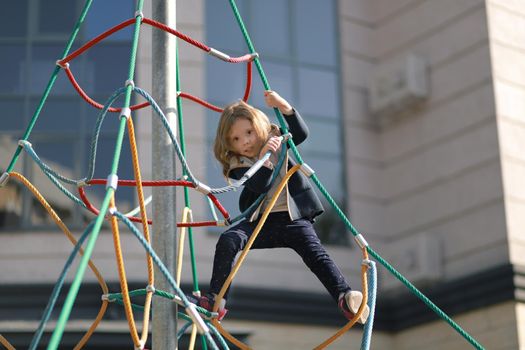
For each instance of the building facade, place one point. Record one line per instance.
(416, 121)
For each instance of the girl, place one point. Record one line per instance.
(245, 135)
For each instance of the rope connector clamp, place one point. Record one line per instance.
(24, 143)
(150, 288)
(366, 262)
(105, 297)
(112, 181)
(82, 182)
(130, 82)
(125, 113)
(112, 210)
(62, 65)
(139, 14)
(202, 188)
(140, 346)
(254, 56)
(307, 170)
(361, 241)
(287, 136)
(3, 179)
(219, 54)
(199, 322)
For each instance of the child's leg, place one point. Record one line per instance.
(301, 237)
(234, 240)
(229, 244)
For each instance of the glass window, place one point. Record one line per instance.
(104, 160)
(58, 114)
(222, 29)
(226, 81)
(14, 71)
(12, 114)
(296, 40)
(104, 15)
(315, 29)
(280, 77)
(13, 19)
(58, 154)
(111, 65)
(269, 20)
(43, 63)
(324, 138)
(318, 92)
(330, 172)
(47, 17)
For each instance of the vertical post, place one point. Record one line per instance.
(164, 73)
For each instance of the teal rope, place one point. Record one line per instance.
(51, 176)
(50, 83)
(372, 292)
(75, 286)
(180, 115)
(411, 287)
(160, 265)
(57, 288)
(73, 291)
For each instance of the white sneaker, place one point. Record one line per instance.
(350, 304)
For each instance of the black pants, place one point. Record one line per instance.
(277, 232)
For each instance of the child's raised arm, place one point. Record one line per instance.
(298, 127)
(274, 100)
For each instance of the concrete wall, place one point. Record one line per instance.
(436, 172)
(507, 24)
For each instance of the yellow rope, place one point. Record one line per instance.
(245, 251)
(145, 227)
(73, 240)
(122, 274)
(5, 343)
(180, 247)
(364, 269)
(193, 337)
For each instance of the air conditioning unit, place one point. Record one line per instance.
(397, 88)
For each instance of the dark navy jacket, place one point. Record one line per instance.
(302, 200)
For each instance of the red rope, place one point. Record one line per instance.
(92, 102)
(245, 58)
(248, 81)
(157, 183)
(201, 102)
(176, 33)
(97, 39)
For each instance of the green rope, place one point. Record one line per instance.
(186, 191)
(75, 286)
(50, 84)
(191, 242)
(347, 222)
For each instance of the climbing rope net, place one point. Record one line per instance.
(201, 320)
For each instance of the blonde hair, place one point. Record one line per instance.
(233, 112)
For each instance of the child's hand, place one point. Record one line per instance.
(274, 100)
(273, 145)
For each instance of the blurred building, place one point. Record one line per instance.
(417, 130)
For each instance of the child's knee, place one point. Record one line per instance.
(230, 241)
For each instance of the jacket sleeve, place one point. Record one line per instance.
(260, 182)
(297, 127)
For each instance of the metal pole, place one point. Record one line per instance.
(164, 72)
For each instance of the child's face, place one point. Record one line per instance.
(243, 139)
